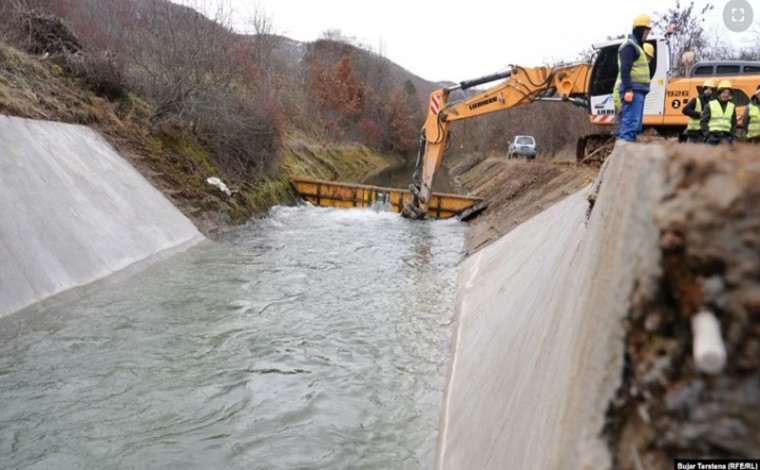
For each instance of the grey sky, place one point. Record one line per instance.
(456, 40)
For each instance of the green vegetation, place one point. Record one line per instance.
(191, 100)
(198, 155)
(351, 162)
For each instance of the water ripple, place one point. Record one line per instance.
(313, 338)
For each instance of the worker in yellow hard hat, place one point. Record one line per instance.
(694, 110)
(634, 76)
(751, 118)
(718, 121)
(649, 51)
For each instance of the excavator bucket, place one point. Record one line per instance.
(348, 195)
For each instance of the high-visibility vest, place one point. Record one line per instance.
(754, 121)
(694, 122)
(640, 67)
(616, 95)
(720, 121)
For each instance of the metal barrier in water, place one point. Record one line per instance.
(347, 195)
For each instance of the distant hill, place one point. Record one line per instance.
(294, 52)
(167, 48)
(185, 98)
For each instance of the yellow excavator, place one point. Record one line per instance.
(589, 85)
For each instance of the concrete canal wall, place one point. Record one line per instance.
(72, 211)
(539, 337)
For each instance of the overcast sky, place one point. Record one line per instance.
(463, 39)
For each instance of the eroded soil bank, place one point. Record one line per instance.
(709, 221)
(516, 190)
(704, 206)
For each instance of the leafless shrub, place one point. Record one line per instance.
(102, 73)
(47, 33)
(7, 26)
(43, 33)
(243, 133)
(177, 53)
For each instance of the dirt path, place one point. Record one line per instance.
(516, 190)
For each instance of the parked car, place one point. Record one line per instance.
(522, 146)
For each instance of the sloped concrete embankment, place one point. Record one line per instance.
(539, 342)
(73, 211)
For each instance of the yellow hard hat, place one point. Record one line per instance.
(649, 49)
(724, 84)
(642, 20)
(708, 83)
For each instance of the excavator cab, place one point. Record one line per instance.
(604, 74)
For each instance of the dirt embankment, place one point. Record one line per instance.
(710, 239)
(515, 190)
(173, 161)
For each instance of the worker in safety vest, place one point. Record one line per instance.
(633, 71)
(649, 50)
(718, 121)
(694, 110)
(751, 118)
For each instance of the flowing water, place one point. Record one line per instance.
(312, 338)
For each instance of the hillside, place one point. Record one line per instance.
(516, 190)
(250, 110)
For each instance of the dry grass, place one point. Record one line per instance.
(168, 153)
(37, 89)
(348, 162)
(515, 191)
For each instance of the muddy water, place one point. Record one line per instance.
(314, 338)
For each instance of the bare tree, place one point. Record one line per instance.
(263, 43)
(179, 54)
(688, 30)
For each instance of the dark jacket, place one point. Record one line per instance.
(691, 108)
(628, 55)
(704, 122)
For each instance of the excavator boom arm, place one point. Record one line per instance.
(521, 86)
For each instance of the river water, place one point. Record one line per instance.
(312, 338)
